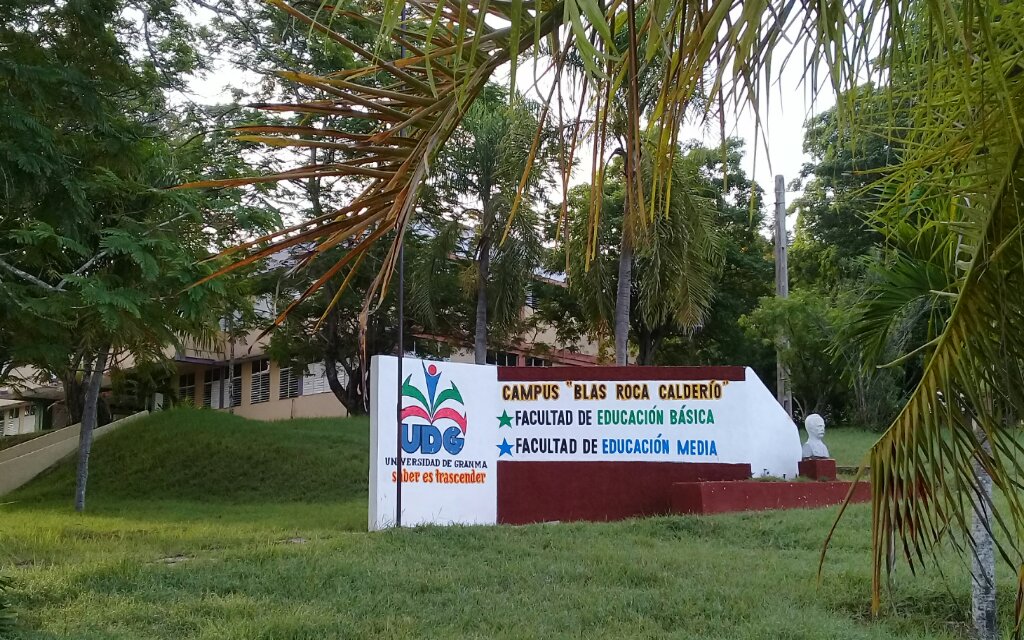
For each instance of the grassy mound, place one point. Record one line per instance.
(204, 525)
(206, 456)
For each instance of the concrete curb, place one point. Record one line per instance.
(25, 461)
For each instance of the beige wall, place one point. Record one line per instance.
(247, 346)
(309, 405)
(319, 405)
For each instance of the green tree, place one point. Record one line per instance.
(677, 258)
(747, 272)
(484, 161)
(435, 305)
(841, 190)
(94, 250)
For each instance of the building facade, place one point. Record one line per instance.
(19, 417)
(240, 378)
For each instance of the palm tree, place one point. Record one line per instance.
(484, 160)
(677, 257)
(962, 166)
(950, 214)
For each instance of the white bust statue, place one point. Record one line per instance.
(815, 447)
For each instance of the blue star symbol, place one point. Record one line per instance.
(504, 448)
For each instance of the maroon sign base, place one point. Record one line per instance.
(598, 491)
(725, 497)
(818, 468)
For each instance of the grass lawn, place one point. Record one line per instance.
(846, 444)
(202, 525)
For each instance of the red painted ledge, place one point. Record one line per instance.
(598, 491)
(733, 496)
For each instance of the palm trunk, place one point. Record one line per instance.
(648, 342)
(983, 565)
(93, 383)
(622, 298)
(483, 268)
(483, 264)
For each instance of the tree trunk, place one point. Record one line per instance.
(93, 384)
(648, 344)
(348, 395)
(983, 565)
(622, 298)
(480, 333)
(73, 389)
(331, 371)
(483, 268)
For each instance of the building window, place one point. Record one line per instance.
(531, 297)
(315, 379)
(187, 387)
(502, 358)
(532, 361)
(215, 379)
(236, 387)
(260, 381)
(208, 382)
(30, 410)
(291, 384)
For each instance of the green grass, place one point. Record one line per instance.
(208, 526)
(847, 445)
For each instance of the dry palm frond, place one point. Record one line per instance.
(410, 104)
(716, 52)
(413, 105)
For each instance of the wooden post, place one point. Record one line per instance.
(782, 388)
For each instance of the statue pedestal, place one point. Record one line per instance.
(818, 468)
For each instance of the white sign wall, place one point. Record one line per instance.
(449, 468)
(721, 421)
(460, 421)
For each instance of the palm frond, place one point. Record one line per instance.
(957, 194)
(412, 104)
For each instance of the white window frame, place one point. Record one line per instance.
(290, 384)
(315, 379)
(259, 383)
(235, 390)
(185, 386)
(501, 358)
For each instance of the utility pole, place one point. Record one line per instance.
(782, 388)
(401, 355)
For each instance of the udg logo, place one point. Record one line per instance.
(425, 415)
